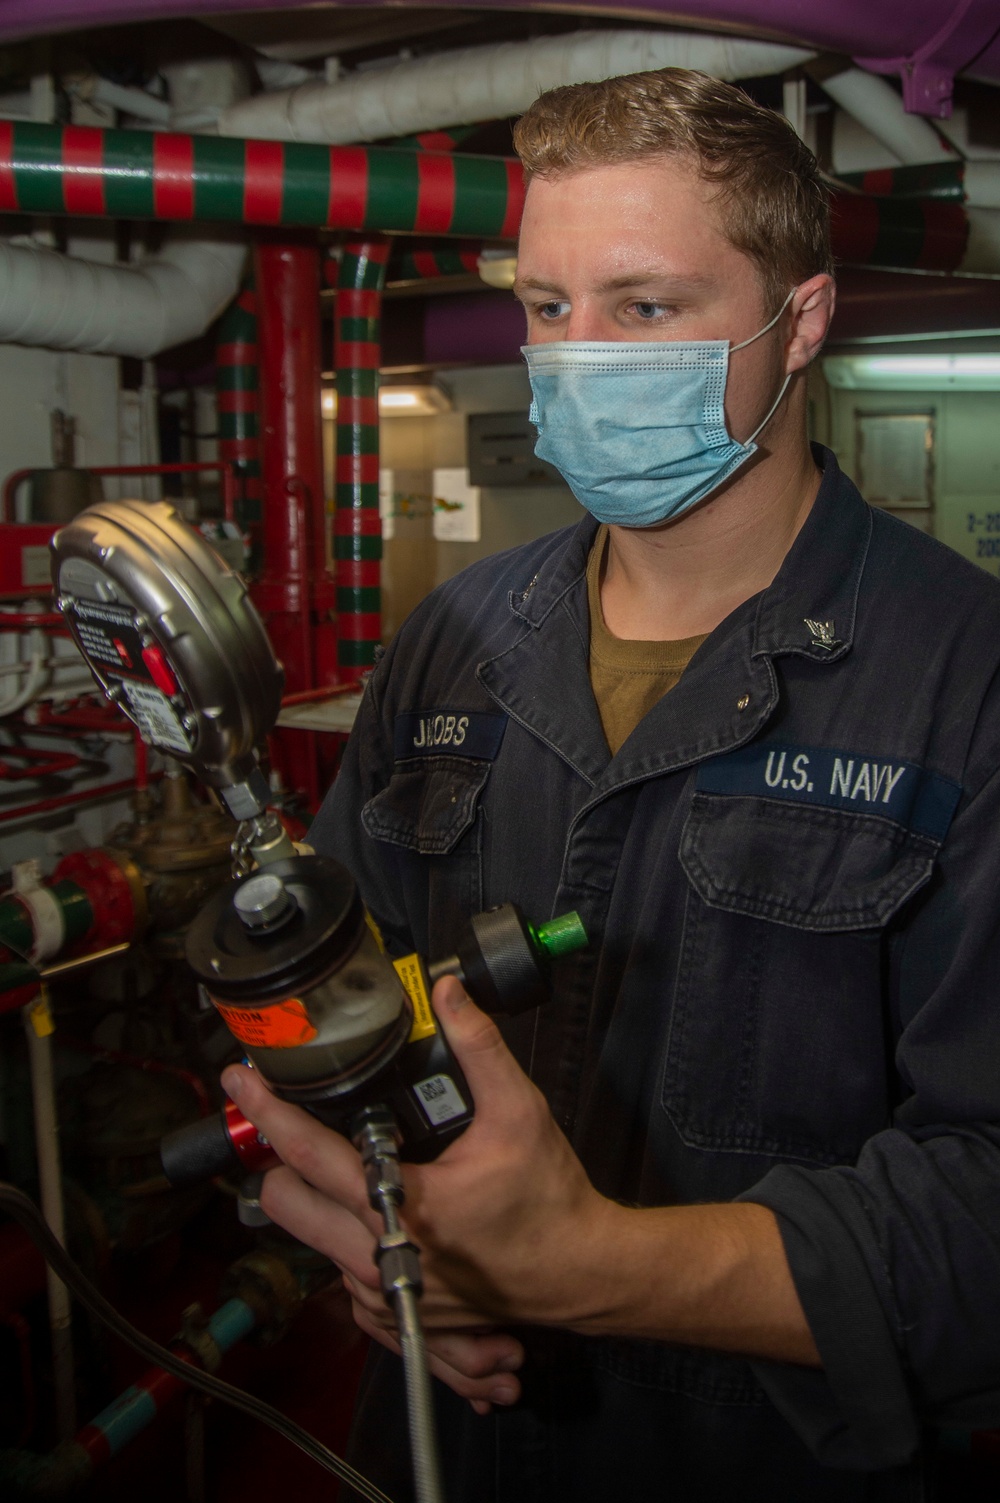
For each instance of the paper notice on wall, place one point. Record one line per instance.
(456, 507)
(387, 503)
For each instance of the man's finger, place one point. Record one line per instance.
(320, 1223)
(322, 1157)
(500, 1387)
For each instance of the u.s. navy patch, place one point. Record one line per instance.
(459, 733)
(909, 795)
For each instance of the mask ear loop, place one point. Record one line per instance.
(761, 332)
(784, 385)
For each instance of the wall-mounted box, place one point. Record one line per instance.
(501, 448)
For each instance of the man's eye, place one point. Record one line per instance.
(555, 309)
(649, 311)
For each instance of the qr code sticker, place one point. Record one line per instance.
(440, 1099)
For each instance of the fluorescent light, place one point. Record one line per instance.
(497, 268)
(397, 401)
(914, 372)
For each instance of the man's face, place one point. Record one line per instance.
(637, 252)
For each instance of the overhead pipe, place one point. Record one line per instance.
(487, 83)
(875, 104)
(64, 303)
(132, 174)
(973, 183)
(137, 174)
(357, 540)
(426, 260)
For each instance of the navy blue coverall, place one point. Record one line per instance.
(790, 874)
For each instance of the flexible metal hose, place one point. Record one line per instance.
(419, 1399)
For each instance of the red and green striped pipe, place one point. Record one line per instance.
(423, 260)
(357, 528)
(81, 170)
(132, 174)
(236, 382)
(927, 180)
(924, 235)
(437, 140)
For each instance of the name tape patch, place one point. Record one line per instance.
(901, 791)
(460, 733)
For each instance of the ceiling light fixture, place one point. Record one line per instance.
(497, 268)
(424, 400)
(913, 372)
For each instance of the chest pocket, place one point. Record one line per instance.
(429, 811)
(778, 1042)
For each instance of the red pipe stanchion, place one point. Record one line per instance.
(295, 592)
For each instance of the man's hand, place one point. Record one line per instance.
(511, 1231)
(319, 1195)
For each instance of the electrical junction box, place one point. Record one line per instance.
(501, 448)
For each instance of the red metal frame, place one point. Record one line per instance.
(85, 715)
(230, 483)
(40, 764)
(67, 800)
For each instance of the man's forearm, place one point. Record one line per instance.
(708, 1276)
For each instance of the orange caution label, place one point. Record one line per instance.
(283, 1025)
(411, 972)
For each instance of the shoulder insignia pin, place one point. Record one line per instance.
(822, 634)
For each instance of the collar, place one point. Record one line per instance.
(811, 606)
(730, 689)
(557, 576)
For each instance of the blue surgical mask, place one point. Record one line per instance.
(638, 431)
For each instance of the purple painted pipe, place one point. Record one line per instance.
(926, 41)
(488, 329)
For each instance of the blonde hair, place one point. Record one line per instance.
(773, 201)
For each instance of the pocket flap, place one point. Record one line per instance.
(428, 805)
(810, 867)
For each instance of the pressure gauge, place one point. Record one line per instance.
(171, 636)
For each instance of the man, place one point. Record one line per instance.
(738, 1236)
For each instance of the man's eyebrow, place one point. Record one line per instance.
(651, 277)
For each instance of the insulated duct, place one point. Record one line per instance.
(68, 304)
(875, 104)
(65, 303)
(487, 83)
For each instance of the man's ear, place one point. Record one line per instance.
(811, 311)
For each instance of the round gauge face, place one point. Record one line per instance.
(170, 634)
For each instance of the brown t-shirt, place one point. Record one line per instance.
(627, 677)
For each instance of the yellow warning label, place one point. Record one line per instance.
(41, 1015)
(410, 970)
(284, 1025)
(376, 931)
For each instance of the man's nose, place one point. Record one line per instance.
(588, 322)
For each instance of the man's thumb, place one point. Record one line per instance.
(473, 1037)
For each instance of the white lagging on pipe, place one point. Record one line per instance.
(67, 304)
(876, 105)
(64, 303)
(486, 83)
(37, 673)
